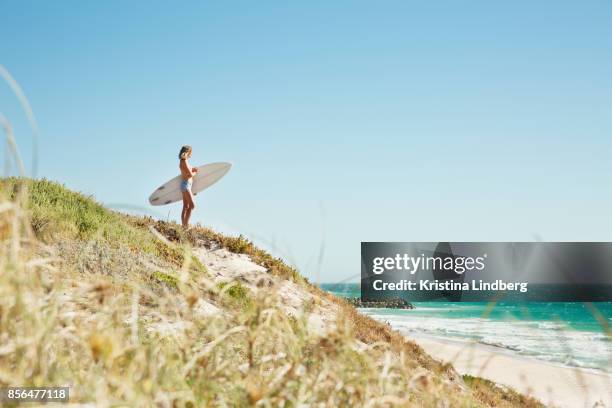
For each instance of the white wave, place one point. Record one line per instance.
(545, 340)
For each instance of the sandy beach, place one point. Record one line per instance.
(554, 385)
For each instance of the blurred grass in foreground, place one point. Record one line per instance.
(96, 300)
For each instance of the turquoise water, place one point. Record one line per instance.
(572, 334)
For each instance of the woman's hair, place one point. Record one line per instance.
(184, 150)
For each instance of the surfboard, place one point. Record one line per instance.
(207, 175)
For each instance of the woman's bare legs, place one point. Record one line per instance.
(188, 205)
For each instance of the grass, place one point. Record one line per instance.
(491, 394)
(168, 279)
(93, 298)
(239, 295)
(57, 213)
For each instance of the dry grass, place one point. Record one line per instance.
(493, 395)
(107, 308)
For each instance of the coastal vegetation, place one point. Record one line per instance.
(134, 311)
(396, 303)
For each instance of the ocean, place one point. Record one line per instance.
(567, 333)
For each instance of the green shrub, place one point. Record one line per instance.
(237, 293)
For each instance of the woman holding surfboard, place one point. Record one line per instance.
(186, 185)
(187, 174)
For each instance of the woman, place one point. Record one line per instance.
(186, 182)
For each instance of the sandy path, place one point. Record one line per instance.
(228, 266)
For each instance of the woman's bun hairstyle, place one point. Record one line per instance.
(184, 150)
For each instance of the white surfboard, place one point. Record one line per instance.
(206, 176)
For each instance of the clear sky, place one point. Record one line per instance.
(346, 121)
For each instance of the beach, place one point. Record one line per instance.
(558, 352)
(553, 384)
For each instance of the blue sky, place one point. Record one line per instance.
(346, 121)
